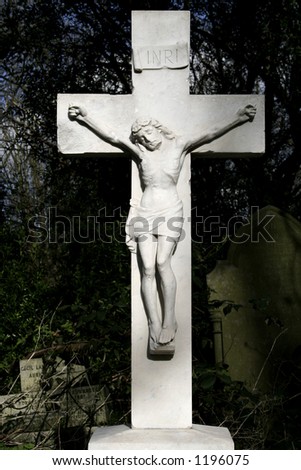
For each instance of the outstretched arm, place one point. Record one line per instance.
(244, 115)
(79, 114)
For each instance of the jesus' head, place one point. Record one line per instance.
(148, 132)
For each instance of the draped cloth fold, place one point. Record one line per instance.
(167, 221)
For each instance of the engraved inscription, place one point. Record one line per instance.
(159, 57)
(162, 57)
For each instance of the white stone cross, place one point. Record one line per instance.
(161, 380)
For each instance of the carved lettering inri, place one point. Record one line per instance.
(162, 57)
(159, 57)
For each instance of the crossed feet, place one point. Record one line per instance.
(161, 336)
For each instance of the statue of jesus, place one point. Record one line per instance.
(155, 222)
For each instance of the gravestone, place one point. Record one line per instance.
(36, 412)
(262, 273)
(62, 374)
(30, 374)
(161, 356)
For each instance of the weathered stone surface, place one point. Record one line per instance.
(37, 414)
(30, 374)
(33, 374)
(37, 411)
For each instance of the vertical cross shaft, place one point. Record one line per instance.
(161, 389)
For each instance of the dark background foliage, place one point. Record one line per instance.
(62, 296)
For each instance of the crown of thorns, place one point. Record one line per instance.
(143, 122)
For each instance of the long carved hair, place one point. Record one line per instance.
(148, 121)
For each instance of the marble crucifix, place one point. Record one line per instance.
(158, 126)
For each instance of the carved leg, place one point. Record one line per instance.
(169, 287)
(148, 251)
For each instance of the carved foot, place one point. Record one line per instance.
(168, 333)
(154, 331)
(162, 340)
(156, 349)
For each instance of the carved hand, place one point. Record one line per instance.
(76, 113)
(247, 113)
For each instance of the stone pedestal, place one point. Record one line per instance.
(195, 438)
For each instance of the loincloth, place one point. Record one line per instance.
(167, 221)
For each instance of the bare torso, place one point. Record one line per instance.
(159, 171)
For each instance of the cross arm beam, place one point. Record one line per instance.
(80, 115)
(205, 137)
(194, 117)
(225, 126)
(109, 117)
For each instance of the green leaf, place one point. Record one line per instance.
(208, 381)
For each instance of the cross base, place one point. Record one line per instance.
(197, 437)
